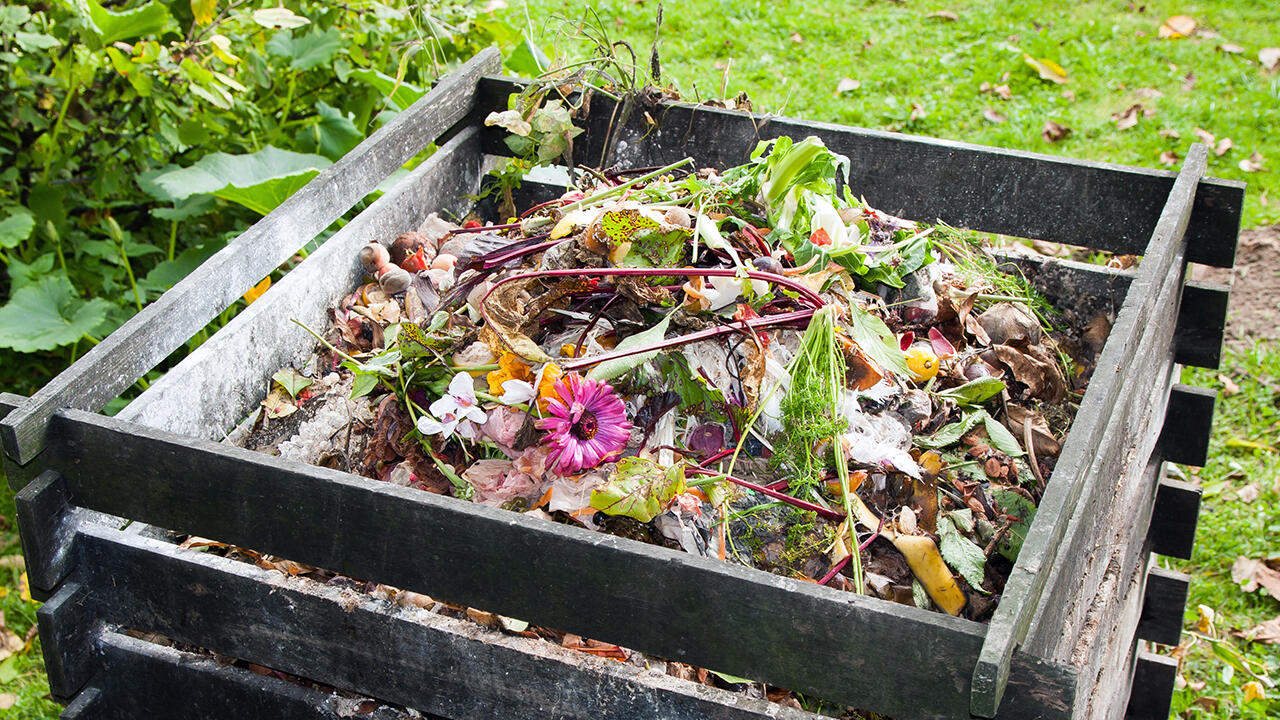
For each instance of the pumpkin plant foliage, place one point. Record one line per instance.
(141, 136)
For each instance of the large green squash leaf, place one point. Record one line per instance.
(259, 181)
(111, 26)
(47, 314)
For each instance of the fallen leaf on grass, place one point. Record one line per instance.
(7, 700)
(847, 85)
(918, 112)
(1149, 93)
(1205, 136)
(797, 38)
(1177, 26)
(1253, 691)
(13, 561)
(1054, 132)
(993, 116)
(1251, 573)
(1207, 704)
(1229, 386)
(1231, 48)
(24, 588)
(1189, 81)
(1169, 157)
(1269, 57)
(1170, 133)
(1048, 69)
(944, 15)
(1248, 493)
(1267, 633)
(1223, 146)
(1129, 117)
(1253, 163)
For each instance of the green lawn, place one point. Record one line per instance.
(922, 73)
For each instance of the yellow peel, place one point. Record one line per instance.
(922, 557)
(926, 562)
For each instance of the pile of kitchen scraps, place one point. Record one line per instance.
(751, 365)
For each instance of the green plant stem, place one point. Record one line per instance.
(324, 342)
(57, 128)
(618, 189)
(173, 238)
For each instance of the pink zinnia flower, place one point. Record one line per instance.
(588, 425)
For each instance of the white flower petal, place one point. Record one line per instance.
(462, 387)
(474, 414)
(515, 392)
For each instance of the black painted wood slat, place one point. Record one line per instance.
(1173, 524)
(1201, 324)
(87, 705)
(1188, 424)
(1152, 694)
(67, 628)
(145, 680)
(1160, 273)
(148, 337)
(1099, 205)
(407, 656)
(790, 633)
(1163, 603)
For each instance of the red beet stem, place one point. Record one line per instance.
(803, 505)
(835, 570)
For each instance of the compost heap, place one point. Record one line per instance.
(727, 363)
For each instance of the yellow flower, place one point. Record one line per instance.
(550, 375)
(1253, 691)
(510, 367)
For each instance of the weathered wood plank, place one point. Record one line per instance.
(87, 705)
(1093, 598)
(1188, 424)
(67, 629)
(141, 679)
(1164, 602)
(787, 632)
(160, 328)
(1201, 324)
(42, 510)
(1152, 694)
(1114, 374)
(402, 655)
(220, 382)
(1088, 289)
(1173, 523)
(989, 189)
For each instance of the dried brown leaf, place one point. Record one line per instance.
(1169, 157)
(1267, 633)
(1003, 92)
(1251, 164)
(1128, 117)
(944, 15)
(993, 116)
(1170, 133)
(1205, 136)
(1223, 146)
(1248, 493)
(1189, 81)
(1252, 573)
(1231, 48)
(8, 700)
(918, 112)
(847, 85)
(1178, 26)
(1149, 93)
(13, 561)
(1229, 386)
(1069, 95)
(797, 38)
(1269, 57)
(1054, 132)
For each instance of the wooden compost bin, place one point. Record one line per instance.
(1067, 640)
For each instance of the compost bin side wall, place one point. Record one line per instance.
(1097, 205)
(223, 380)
